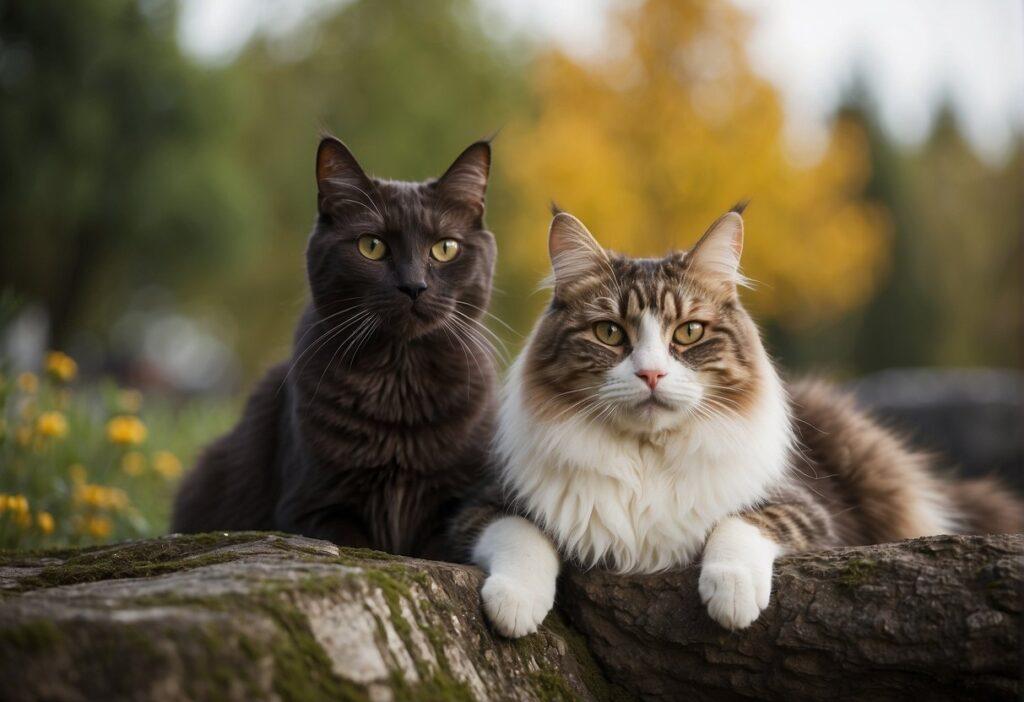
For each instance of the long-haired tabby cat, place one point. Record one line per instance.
(644, 423)
(382, 418)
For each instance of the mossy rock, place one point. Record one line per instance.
(254, 616)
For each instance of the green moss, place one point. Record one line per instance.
(136, 559)
(353, 555)
(393, 590)
(302, 670)
(551, 686)
(857, 572)
(30, 637)
(590, 671)
(440, 687)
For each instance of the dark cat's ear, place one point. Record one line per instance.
(575, 254)
(717, 254)
(465, 181)
(340, 179)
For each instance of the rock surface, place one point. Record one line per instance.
(264, 616)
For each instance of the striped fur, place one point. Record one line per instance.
(640, 455)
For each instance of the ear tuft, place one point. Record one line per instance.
(717, 253)
(574, 251)
(465, 181)
(741, 206)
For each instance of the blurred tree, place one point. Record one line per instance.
(653, 140)
(967, 252)
(113, 171)
(953, 293)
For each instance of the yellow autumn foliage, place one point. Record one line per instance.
(651, 142)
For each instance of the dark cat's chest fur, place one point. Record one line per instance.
(380, 422)
(392, 437)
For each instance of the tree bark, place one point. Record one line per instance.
(262, 616)
(932, 619)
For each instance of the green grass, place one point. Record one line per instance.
(58, 458)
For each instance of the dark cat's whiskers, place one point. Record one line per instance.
(479, 341)
(364, 316)
(453, 332)
(484, 328)
(495, 317)
(480, 345)
(365, 332)
(445, 327)
(323, 340)
(320, 321)
(472, 326)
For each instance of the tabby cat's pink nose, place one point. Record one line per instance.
(651, 377)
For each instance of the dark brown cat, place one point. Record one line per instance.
(382, 418)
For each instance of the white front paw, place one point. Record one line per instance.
(516, 608)
(735, 592)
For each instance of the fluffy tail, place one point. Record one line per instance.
(986, 506)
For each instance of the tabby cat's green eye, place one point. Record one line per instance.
(609, 333)
(688, 333)
(445, 250)
(372, 247)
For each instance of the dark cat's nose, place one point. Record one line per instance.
(413, 290)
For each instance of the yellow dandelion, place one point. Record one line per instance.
(129, 400)
(52, 425)
(133, 463)
(76, 471)
(28, 382)
(97, 527)
(126, 430)
(17, 505)
(166, 464)
(100, 496)
(61, 367)
(45, 522)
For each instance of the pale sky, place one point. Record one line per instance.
(913, 52)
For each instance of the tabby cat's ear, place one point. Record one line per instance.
(465, 181)
(575, 254)
(717, 254)
(339, 177)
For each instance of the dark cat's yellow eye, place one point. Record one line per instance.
(609, 333)
(688, 333)
(372, 247)
(445, 250)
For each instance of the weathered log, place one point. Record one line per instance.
(258, 616)
(929, 619)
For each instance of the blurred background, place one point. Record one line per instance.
(157, 189)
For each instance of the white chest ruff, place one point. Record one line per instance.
(632, 505)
